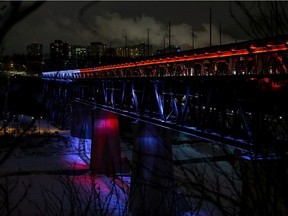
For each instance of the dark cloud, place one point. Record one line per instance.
(84, 22)
(115, 27)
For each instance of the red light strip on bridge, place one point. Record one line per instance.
(269, 48)
(86, 70)
(175, 59)
(219, 54)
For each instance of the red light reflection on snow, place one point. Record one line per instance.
(74, 162)
(77, 166)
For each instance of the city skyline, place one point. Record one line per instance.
(88, 45)
(110, 22)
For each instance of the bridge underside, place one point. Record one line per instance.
(246, 111)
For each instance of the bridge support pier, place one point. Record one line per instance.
(152, 181)
(81, 124)
(105, 149)
(81, 128)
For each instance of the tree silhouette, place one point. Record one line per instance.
(14, 11)
(269, 19)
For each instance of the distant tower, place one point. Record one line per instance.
(169, 38)
(193, 39)
(210, 20)
(148, 43)
(220, 34)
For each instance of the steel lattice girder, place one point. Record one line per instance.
(245, 108)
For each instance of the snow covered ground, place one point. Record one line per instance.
(57, 179)
(44, 175)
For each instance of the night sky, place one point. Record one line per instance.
(110, 21)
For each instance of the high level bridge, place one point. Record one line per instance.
(234, 93)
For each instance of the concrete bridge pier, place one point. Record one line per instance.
(81, 124)
(152, 190)
(81, 127)
(105, 149)
(102, 129)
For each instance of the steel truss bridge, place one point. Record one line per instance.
(235, 93)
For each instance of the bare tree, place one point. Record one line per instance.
(10, 13)
(14, 11)
(265, 18)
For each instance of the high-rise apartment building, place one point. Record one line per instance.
(34, 50)
(145, 50)
(78, 52)
(60, 50)
(97, 49)
(136, 51)
(78, 56)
